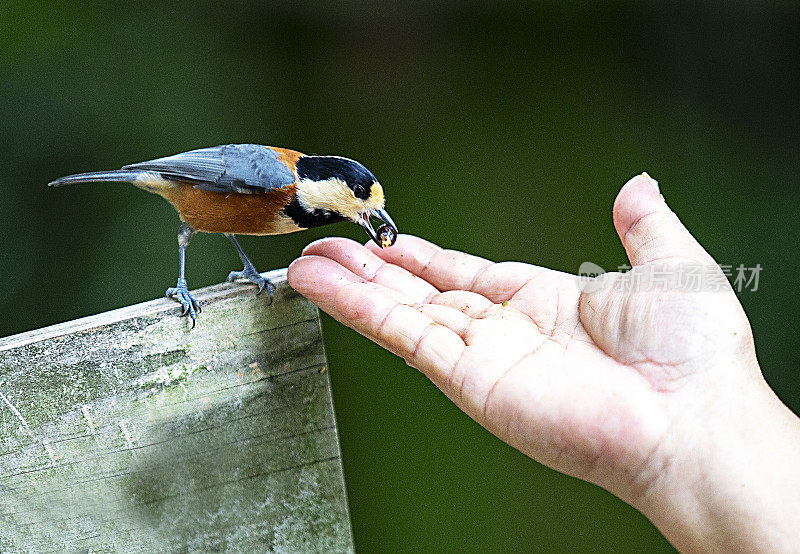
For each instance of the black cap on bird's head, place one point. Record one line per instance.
(344, 188)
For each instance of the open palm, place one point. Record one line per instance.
(588, 378)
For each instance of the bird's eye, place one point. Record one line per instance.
(360, 191)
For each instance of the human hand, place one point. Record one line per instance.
(651, 392)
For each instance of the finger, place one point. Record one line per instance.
(379, 313)
(370, 267)
(649, 230)
(455, 320)
(501, 281)
(318, 278)
(452, 270)
(466, 302)
(404, 330)
(444, 269)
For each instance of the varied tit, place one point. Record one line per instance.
(249, 189)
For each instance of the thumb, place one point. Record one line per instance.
(649, 230)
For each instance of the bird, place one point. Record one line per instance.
(251, 189)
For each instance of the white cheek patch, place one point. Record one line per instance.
(335, 196)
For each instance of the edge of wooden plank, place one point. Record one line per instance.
(206, 295)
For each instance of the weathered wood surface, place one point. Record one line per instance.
(128, 431)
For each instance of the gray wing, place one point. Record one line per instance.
(243, 168)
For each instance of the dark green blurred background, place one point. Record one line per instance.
(504, 129)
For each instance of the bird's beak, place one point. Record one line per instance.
(387, 231)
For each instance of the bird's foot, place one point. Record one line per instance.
(191, 307)
(254, 277)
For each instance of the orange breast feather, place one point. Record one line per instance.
(245, 214)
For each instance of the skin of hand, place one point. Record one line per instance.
(652, 392)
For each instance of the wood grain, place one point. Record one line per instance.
(127, 431)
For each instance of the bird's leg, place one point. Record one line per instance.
(191, 307)
(249, 272)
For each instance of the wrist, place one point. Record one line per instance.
(730, 480)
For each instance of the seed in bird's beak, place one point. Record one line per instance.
(387, 235)
(387, 232)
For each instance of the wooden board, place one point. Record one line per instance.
(127, 431)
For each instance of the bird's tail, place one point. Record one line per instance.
(121, 175)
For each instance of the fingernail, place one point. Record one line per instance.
(309, 245)
(652, 182)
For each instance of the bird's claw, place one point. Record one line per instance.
(191, 307)
(255, 278)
